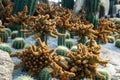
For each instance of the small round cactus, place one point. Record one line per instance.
(62, 50)
(44, 74)
(4, 36)
(24, 77)
(18, 43)
(5, 47)
(14, 34)
(69, 43)
(74, 49)
(105, 73)
(112, 39)
(67, 35)
(8, 31)
(117, 43)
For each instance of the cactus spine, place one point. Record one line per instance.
(18, 43)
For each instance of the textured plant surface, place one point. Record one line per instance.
(74, 49)
(14, 34)
(4, 35)
(5, 47)
(117, 43)
(62, 50)
(24, 77)
(18, 43)
(112, 39)
(69, 43)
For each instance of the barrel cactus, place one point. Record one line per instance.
(44, 74)
(67, 35)
(14, 34)
(112, 39)
(24, 77)
(4, 36)
(74, 49)
(117, 43)
(18, 43)
(8, 31)
(69, 43)
(105, 73)
(5, 47)
(62, 50)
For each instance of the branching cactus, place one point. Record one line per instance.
(18, 43)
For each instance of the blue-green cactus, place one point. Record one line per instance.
(74, 49)
(44, 74)
(68, 43)
(14, 34)
(62, 50)
(67, 35)
(117, 43)
(112, 39)
(18, 43)
(24, 77)
(8, 31)
(5, 47)
(4, 36)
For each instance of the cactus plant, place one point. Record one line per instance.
(14, 34)
(24, 77)
(105, 73)
(67, 35)
(69, 43)
(5, 47)
(117, 43)
(62, 50)
(112, 39)
(44, 74)
(68, 4)
(4, 36)
(74, 49)
(8, 31)
(18, 43)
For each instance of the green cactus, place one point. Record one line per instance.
(68, 3)
(62, 50)
(24, 77)
(5, 47)
(8, 31)
(4, 36)
(69, 43)
(61, 40)
(44, 74)
(67, 35)
(105, 73)
(83, 40)
(88, 43)
(14, 34)
(117, 43)
(18, 43)
(74, 49)
(112, 39)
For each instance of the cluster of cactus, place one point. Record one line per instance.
(62, 50)
(24, 77)
(5, 47)
(14, 34)
(18, 43)
(117, 43)
(44, 74)
(4, 36)
(68, 43)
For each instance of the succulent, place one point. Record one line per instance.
(18, 43)
(14, 34)
(5, 47)
(62, 50)
(4, 36)
(105, 73)
(67, 35)
(111, 39)
(8, 31)
(117, 43)
(74, 49)
(44, 74)
(69, 43)
(24, 77)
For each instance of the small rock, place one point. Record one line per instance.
(6, 66)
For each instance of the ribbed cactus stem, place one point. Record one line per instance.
(61, 40)
(92, 9)
(44, 38)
